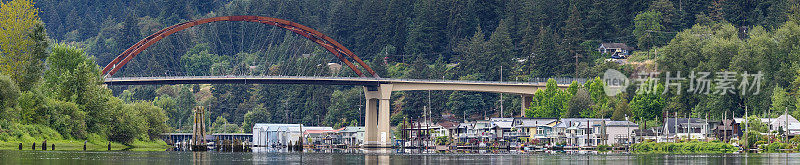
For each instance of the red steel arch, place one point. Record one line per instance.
(313, 35)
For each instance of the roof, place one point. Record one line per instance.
(270, 127)
(621, 124)
(578, 122)
(352, 129)
(781, 120)
(448, 124)
(317, 128)
(534, 122)
(616, 45)
(502, 122)
(644, 132)
(317, 131)
(727, 124)
(670, 123)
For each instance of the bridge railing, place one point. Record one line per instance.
(536, 80)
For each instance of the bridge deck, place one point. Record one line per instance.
(399, 84)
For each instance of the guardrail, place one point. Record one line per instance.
(561, 81)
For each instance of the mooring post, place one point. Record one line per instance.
(20, 146)
(44, 145)
(33, 147)
(109, 146)
(53, 146)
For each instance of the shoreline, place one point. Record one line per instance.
(77, 145)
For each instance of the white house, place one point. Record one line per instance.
(619, 132)
(693, 128)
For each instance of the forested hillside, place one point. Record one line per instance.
(435, 39)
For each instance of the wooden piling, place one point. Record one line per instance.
(109, 146)
(33, 147)
(44, 145)
(20, 146)
(53, 146)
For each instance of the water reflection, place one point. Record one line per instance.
(358, 156)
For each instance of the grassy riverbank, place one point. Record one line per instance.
(684, 147)
(77, 145)
(29, 134)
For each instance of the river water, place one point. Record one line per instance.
(379, 157)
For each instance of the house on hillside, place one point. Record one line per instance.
(503, 129)
(536, 129)
(615, 50)
(692, 128)
(579, 131)
(476, 131)
(618, 132)
(727, 130)
(780, 123)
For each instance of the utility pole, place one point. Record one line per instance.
(688, 125)
(724, 117)
(746, 127)
(429, 104)
(501, 94)
(675, 126)
(706, 127)
(769, 122)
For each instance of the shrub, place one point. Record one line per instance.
(693, 146)
(778, 146)
(603, 147)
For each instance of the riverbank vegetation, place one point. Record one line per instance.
(54, 92)
(684, 147)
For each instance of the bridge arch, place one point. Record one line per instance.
(326, 42)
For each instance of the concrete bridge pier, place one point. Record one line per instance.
(376, 122)
(526, 102)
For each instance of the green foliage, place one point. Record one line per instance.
(580, 105)
(684, 147)
(221, 125)
(777, 146)
(197, 61)
(442, 140)
(753, 139)
(781, 100)
(345, 106)
(621, 110)
(259, 115)
(648, 106)
(603, 147)
(170, 106)
(648, 29)
(27, 133)
(65, 117)
(754, 123)
(23, 42)
(550, 102)
(9, 92)
(71, 74)
(154, 118)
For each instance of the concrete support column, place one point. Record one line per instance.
(371, 117)
(377, 130)
(384, 129)
(526, 102)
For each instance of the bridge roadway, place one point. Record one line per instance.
(377, 92)
(523, 88)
